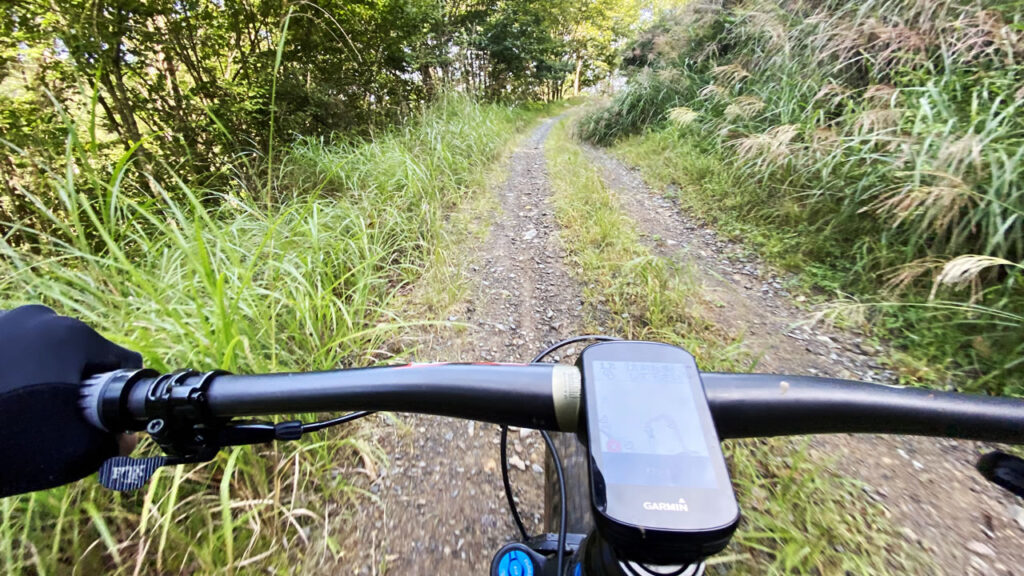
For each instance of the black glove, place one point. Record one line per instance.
(44, 439)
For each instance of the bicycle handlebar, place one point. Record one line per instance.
(542, 396)
(547, 396)
(762, 405)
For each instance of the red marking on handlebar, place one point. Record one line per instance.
(432, 364)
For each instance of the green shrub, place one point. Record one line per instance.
(868, 144)
(218, 278)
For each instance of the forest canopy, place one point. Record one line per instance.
(191, 82)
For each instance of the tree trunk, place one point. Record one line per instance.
(122, 106)
(428, 79)
(576, 76)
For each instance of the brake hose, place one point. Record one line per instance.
(563, 512)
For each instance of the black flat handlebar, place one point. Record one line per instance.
(761, 405)
(516, 395)
(548, 396)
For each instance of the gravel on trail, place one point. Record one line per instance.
(928, 485)
(442, 509)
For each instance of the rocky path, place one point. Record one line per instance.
(442, 508)
(965, 524)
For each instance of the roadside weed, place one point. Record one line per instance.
(851, 142)
(799, 517)
(298, 273)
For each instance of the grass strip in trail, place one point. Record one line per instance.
(798, 517)
(220, 278)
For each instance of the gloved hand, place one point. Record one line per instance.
(44, 439)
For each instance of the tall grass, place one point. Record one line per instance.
(798, 518)
(865, 143)
(300, 278)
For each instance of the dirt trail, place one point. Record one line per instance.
(929, 486)
(442, 508)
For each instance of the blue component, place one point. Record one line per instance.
(525, 564)
(515, 563)
(579, 570)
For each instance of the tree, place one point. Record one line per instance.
(593, 32)
(195, 81)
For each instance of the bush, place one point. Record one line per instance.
(224, 278)
(884, 139)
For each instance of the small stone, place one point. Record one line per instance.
(490, 466)
(517, 462)
(537, 469)
(981, 549)
(531, 234)
(980, 565)
(1017, 513)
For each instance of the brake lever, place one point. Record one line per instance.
(127, 474)
(1002, 469)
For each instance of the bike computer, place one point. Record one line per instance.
(660, 491)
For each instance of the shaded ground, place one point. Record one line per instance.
(965, 524)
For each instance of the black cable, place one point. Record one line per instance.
(508, 485)
(563, 509)
(573, 340)
(318, 426)
(554, 455)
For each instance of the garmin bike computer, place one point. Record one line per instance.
(659, 487)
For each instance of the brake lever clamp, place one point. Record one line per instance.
(181, 424)
(179, 417)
